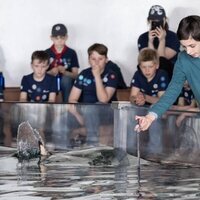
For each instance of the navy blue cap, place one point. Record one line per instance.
(59, 30)
(156, 12)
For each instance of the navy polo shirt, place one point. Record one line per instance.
(157, 84)
(171, 42)
(85, 82)
(67, 58)
(38, 91)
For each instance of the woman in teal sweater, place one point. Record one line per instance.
(187, 67)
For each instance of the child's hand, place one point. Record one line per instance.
(54, 71)
(96, 71)
(61, 69)
(140, 99)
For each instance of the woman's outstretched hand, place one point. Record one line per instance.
(144, 122)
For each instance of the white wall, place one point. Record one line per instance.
(25, 26)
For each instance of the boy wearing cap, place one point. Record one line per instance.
(159, 37)
(63, 60)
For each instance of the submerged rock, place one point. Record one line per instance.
(29, 142)
(117, 156)
(100, 156)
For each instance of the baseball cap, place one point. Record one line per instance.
(156, 12)
(59, 30)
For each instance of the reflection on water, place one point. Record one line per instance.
(71, 176)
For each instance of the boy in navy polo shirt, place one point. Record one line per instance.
(63, 60)
(39, 86)
(96, 84)
(149, 82)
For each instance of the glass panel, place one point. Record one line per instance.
(173, 138)
(62, 126)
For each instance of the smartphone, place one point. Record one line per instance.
(155, 24)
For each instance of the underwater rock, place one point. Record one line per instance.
(29, 142)
(101, 155)
(117, 156)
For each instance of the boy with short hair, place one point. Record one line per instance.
(39, 86)
(96, 83)
(149, 82)
(63, 60)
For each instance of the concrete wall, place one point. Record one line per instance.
(25, 26)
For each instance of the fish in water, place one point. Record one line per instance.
(29, 143)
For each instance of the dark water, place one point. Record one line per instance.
(70, 176)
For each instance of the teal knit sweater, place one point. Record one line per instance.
(186, 68)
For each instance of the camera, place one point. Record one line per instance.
(155, 24)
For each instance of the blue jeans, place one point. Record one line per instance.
(66, 86)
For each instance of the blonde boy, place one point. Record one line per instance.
(149, 82)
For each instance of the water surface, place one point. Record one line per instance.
(79, 168)
(70, 176)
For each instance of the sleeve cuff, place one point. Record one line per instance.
(153, 114)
